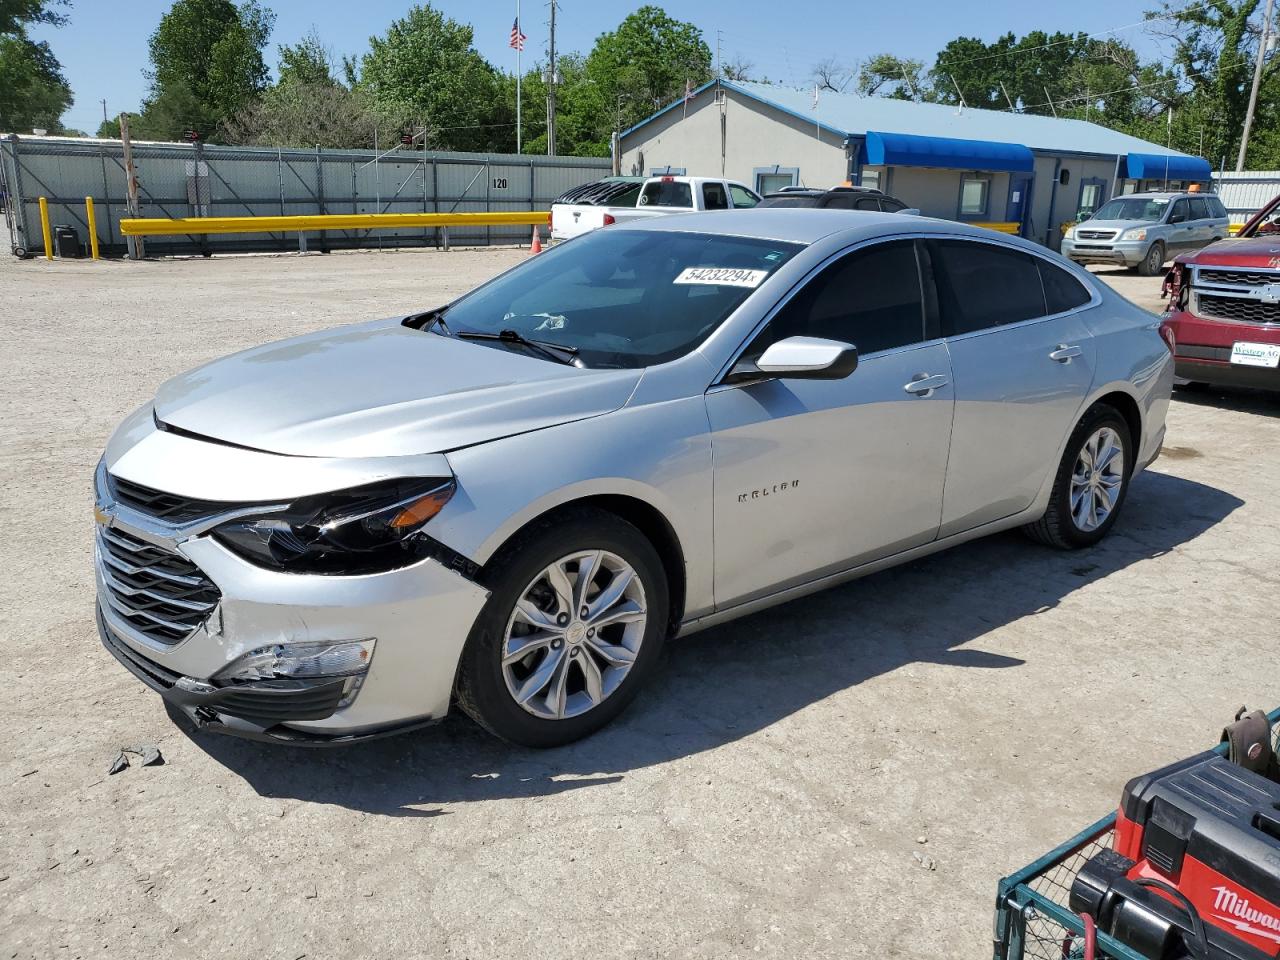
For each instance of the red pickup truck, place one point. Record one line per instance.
(1223, 319)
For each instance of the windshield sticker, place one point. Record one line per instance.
(722, 276)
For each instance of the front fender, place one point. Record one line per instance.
(659, 454)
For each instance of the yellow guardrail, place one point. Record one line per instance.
(160, 227)
(1001, 227)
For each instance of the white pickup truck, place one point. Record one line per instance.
(618, 199)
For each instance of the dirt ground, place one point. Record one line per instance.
(844, 776)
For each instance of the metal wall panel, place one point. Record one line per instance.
(1244, 194)
(183, 180)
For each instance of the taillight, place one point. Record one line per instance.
(1167, 335)
(608, 219)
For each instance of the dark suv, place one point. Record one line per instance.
(837, 198)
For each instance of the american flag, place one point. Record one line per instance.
(517, 38)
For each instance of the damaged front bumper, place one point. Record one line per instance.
(417, 617)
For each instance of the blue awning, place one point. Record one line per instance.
(1152, 166)
(908, 150)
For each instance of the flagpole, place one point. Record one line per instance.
(518, 46)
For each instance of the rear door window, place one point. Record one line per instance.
(1062, 291)
(889, 205)
(714, 197)
(1199, 209)
(871, 298)
(869, 203)
(840, 201)
(666, 193)
(982, 285)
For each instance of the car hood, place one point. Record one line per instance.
(382, 389)
(1243, 252)
(1115, 224)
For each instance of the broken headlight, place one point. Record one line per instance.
(362, 530)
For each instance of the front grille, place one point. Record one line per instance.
(1096, 234)
(160, 593)
(1237, 309)
(1244, 278)
(165, 506)
(156, 677)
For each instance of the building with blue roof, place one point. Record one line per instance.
(1019, 172)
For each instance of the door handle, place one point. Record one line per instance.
(1064, 353)
(923, 384)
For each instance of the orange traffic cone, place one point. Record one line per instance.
(536, 246)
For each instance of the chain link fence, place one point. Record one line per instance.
(191, 180)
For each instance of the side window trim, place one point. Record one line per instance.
(737, 353)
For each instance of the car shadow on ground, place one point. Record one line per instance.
(1264, 403)
(732, 681)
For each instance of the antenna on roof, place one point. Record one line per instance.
(958, 93)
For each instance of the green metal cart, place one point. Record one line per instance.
(1033, 921)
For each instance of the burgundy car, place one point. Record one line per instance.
(1223, 320)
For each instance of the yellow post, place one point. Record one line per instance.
(44, 228)
(93, 227)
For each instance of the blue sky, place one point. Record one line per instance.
(104, 48)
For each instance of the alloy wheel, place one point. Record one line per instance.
(574, 634)
(1097, 479)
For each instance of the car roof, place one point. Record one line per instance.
(1163, 195)
(801, 225)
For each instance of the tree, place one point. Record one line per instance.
(308, 61)
(109, 129)
(898, 78)
(33, 91)
(206, 65)
(426, 66)
(831, 74)
(738, 68)
(646, 63)
(1214, 47)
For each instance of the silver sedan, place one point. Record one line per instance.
(511, 502)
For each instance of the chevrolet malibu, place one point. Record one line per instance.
(511, 502)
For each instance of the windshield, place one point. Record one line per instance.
(1133, 208)
(666, 193)
(1266, 224)
(622, 298)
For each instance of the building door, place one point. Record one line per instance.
(1019, 200)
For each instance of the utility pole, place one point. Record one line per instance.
(104, 110)
(136, 251)
(551, 86)
(1257, 80)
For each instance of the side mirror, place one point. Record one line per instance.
(800, 358)
(1177, 217)
(910, 212)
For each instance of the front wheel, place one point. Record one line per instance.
(572, 629)
(1153, 262)
(1090, 485)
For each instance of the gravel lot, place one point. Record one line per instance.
(844, 776)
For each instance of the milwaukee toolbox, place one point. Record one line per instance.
(1195, 868)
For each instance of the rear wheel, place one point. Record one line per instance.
(572, 629)
(1153, 262)
(1090, 485)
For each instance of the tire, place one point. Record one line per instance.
(1061, 527)
(1153, 262)
(20, 253)
(588, 680)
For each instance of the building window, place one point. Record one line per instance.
(974, 191)
(1091, 197)
(870, 178)
(771, 179)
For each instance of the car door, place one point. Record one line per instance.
(1022, 361)
(814, 476)
(1182, 227)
